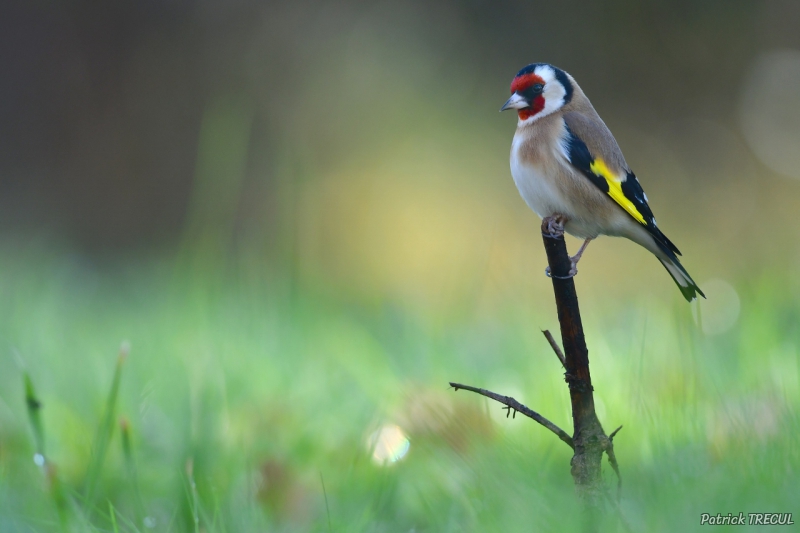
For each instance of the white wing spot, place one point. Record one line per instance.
(645, 195)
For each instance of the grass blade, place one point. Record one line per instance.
(56, 489)
(194, 500)
(113, 514)
(104, 432)
(34, 407)
(133, 474)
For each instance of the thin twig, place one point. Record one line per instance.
(555, 346)
(327, 509)
(612, 460)
(511, 403)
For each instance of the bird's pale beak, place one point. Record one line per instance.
(515, 102)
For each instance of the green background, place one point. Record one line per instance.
(299, 221)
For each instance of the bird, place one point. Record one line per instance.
(566, 164)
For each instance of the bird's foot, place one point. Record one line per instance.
(571, 274)
(573, 269)
(577, 257)
(554, 226)
(573, 263)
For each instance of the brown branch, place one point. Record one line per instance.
(512, 404)
(554, 345)
(589, 439)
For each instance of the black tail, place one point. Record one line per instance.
(682, 279)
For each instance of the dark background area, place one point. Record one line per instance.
(101, 103)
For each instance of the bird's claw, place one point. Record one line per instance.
(571, 274)
(573, 271)
(555, 226)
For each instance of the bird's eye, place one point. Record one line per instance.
(538, 87)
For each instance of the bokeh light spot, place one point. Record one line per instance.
(720, 310)
(388, 445)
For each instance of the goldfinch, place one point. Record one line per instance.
(566, 163)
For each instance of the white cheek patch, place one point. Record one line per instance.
(554, 94)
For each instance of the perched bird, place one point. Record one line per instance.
(566, 163)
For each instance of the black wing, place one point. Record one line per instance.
(626, 192)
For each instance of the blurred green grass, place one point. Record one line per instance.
(301, 219)
(257, 395)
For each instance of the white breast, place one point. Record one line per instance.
(556, 188)
(535, 185)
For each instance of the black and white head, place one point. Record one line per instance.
(539, 90)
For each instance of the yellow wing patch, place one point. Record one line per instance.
(599, 168)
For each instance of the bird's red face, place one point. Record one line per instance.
(529, 88)
(539, 90)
